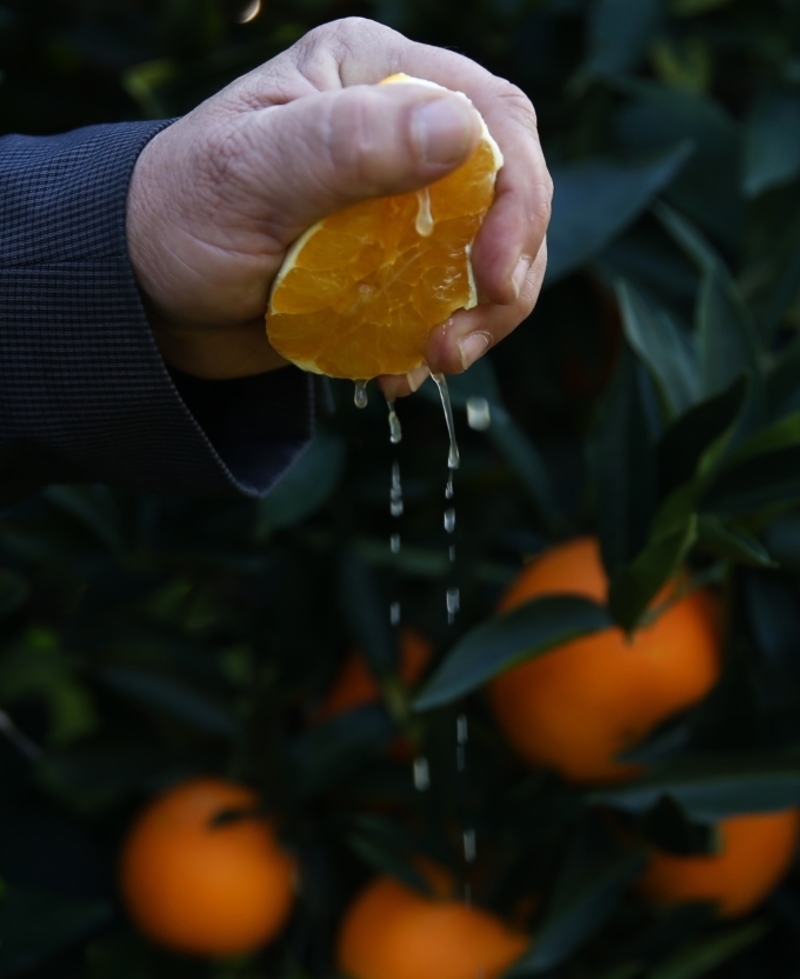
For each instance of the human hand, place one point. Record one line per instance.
(216, 198)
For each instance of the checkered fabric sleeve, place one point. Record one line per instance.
(84, 393)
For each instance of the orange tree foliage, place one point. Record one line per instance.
(652, 402)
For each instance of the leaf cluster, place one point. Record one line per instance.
(653, 400)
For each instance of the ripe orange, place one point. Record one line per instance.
(359, 292)
(355, 685)
(391, 932)
(204, 889)
(578, 707)
(755, 853)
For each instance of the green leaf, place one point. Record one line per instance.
(329, 753)
(167, 697)
(34, 926)
(699, 958)
(781, 434)
(692, 8)
(693, 445)
(596, 200)
(735, 545)
(622, 465)
(13, 591)
(772, 147)
(95, 509)
(727, 341)
(782, 381)
(757, 484)
(707, 188)
(526, 461)
(366, 613)
(772, 258)
(662, 345)
(306, 487)
(711, 787)
(506, 640)
(619, 32)
(581, 905)
(636, 585)
(507, 437)
(388, 849)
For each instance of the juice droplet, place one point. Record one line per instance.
(394, 543)
(450, 520)
(448, 490)
(470, 850)
(462, 729)
(424, 221)
(453, 604)
(395, 430)
(396, 492)
(360, 398)
(394, 613)
(453, 458)
(422, 775)
(479, 415)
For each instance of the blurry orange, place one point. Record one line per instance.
(392, 932)
(579, 706)
(755, 853)
(359, 292)
(356, 686)
(205, 889)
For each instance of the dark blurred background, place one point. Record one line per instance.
(144, 638)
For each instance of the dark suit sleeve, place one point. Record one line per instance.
(84, 393)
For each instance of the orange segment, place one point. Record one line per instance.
(359, 293)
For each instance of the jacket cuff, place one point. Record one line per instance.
(84, 392)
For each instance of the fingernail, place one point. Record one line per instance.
(416, 377)
(472, 347)
(441, 130)
(520, 274)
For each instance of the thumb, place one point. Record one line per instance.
(323, 152)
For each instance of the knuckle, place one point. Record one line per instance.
(543, 202)
(218, 159)
(357, 141)
(517, 103)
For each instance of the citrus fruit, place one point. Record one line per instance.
(358, 294)
(392, 932)
(201, 888)
(581, 705)
(355, 686)
(755, 852)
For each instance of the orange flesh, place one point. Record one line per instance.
(361, 291)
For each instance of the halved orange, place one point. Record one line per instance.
(359, 292)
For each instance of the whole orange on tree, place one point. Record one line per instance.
(755, 852)
(355, 684)
(204, 885)
(392, 932)
(584, 703)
